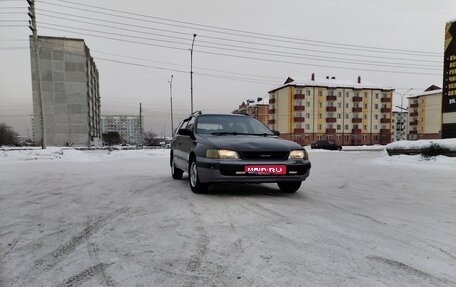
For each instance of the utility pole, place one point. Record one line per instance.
(191, 75)
(36, 48)
(171, 100)
(140, 125)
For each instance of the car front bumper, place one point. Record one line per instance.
(215, 170)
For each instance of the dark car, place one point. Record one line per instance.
(325, 145)
(214, 148)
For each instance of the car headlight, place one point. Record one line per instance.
(221, 153)
(298, 154)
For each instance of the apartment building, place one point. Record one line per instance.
(399, 123)
(425, 114)
(258, 111)
(346, 112)
(70, 92)
(128, 126)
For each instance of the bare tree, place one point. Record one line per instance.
(7, 135)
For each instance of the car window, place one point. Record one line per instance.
(189, 124)
(210, 124)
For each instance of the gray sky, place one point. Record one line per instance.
(243, 49)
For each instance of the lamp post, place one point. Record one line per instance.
(191, 74)
(402, 110)
(171, 102)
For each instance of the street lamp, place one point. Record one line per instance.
(402, 110)
(191, 74)
(171, 101)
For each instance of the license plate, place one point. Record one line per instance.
(266, 169)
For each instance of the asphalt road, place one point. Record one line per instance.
(355, 222)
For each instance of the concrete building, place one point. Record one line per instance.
(399, 123)
(425, 114)
(71, 95)
(128, 127)
(346, 112)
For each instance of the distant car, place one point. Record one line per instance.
(214, 148)
(325, 145)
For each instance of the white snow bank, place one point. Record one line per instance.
(449, 144)
(71, 154)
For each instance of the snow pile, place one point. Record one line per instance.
(448, 144)
(71, 154)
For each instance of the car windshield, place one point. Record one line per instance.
(230, 124)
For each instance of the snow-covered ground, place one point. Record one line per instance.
(116, 218)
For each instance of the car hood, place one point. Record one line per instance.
(251, 143)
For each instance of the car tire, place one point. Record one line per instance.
(193, 178)
(289, 186)
(175, 172)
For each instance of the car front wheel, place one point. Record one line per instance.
(175, 172)
(195, 184)
(289, 186)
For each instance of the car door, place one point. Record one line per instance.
(183, 143)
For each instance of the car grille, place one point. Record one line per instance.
(265, 155)
(231, 170)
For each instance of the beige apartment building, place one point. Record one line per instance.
(346, 112)
(425, 114)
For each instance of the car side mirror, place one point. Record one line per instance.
(276, 133)
(184, 132)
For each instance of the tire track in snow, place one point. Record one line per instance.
(399, 266)
(52, 259)
(94, 251)
(85, 275)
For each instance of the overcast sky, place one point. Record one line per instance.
(243, 49)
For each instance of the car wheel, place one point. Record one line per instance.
(289, 186)
(175, 172)
(195, 184)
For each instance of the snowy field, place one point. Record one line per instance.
(101, 218)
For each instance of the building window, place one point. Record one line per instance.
(308, 92)
(299, 92)
(319, 127)
(346, 127)
(320, 104)
(320, 93)
(338, 127)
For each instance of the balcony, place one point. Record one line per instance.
(271, 122)
(298, 131)
(386, 100)
(414, 123)
(356, 131)
(357, 99)
(385, 131)
(272, 111)
(299, 96)
(414, 105)
(331, 120)
(414, 114)
(299, 119)
(385, 110)
(331, 98)
(385, 121)
(357, 120)
(299, 108)
(330, 131)
(331, 109)
(272, 101)
(357, 110)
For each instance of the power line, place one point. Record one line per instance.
(252, 50)
(215, 38)
(250, 34)
(244, 57)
